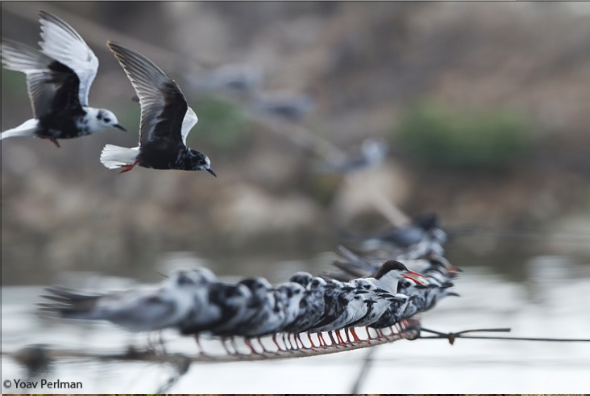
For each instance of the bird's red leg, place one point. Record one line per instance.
(223, 342)
(347, 332)
(339, 337)
(334, 342)
(287, 341)
(297, 337)
(311, 346)
(310, 340)
(274, 339)
(127, 168)
(199, 344)
(234, 345)
(294, 336)
(355, 336)
(52, 140)
(264, 348)
(249, 344)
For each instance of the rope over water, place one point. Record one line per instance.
(152, 355)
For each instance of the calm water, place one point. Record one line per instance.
(550, 298)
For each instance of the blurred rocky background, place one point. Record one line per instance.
(484, 107)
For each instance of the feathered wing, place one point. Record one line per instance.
(35, 64)
(164, 111)
(62, 43)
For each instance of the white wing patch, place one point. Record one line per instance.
(189, 121)
(64, 44)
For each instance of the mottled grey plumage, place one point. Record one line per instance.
(59, 77)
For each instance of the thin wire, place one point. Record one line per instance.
(453, 336)
(449, 336)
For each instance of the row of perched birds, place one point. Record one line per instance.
(195, 302)
(59, 76)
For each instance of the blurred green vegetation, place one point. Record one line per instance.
(222, 123)
(439, 137)
(14, 85)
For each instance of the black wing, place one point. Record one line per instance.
(163, 105)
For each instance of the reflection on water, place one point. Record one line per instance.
(553, 301)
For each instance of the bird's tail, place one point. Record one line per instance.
(68, 304)
(114, 157)
(27, 128)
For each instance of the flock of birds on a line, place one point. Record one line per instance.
(383, 295)
(382, 292)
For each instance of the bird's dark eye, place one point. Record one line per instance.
(183, 280)
(107, 120)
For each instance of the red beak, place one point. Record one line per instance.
(415, 274)
(415, 279)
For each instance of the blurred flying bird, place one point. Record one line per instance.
(286, 105)
(423, 236)
(372, 152)
(232, 78)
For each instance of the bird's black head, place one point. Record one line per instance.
(198, 161)
(286, 291)
(316, 283)
(201, 276)
(390, 265)
(428, 221)
(332, 284)
(184, 280)
(303, 278)
(258, 286)
(404, 283)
